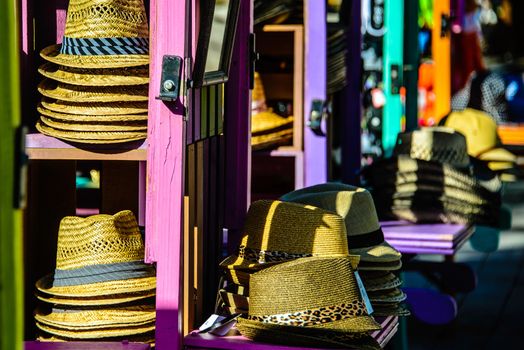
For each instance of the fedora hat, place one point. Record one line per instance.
(480, 131)
(355, 205)
(99, 255)
(102, 34)
(379, 280)
(393, 295)
(272, 235)
(111, 299)
(93, 111)
(439, 144)
(308, 296)
(98, 333)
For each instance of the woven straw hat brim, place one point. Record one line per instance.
(397, 310)
(266, 121)
(110, 299)
(98, 137)
(279, 138)
(133, 285)
(384, 282)
(76, 93)
(91, 118)
(98, 333)
(306, 336)
(498, 155)
(96, 77)
(98, 318)
(52, 54)
(88, 110)
(382, 266)
(148, 338)
(498, 166)
(383, 252)
(68, 126)
(394, 295)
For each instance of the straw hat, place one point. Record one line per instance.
(72, 126)
(438, 144)
(112, 299)
(102, 34)
(96, 77)
(99, 255)
(480, 131)
(93, 319)
(148, 338)
(393, 295)
(355, 205)
(98, 333)
(379, 280)
(78, 93)
(234, 300)
(81, 111)
(307, 296)
(391, 309)
(271, 235)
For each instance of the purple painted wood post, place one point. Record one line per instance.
(315, 151)
(165, 173)
(237, 124)
(350, 98)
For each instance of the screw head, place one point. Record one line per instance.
(169, 85)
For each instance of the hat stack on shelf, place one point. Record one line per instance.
(283, 273)
(378, 259)
(483, 141)
(268, 129)
(431, 178)
(101, 289)
(95, 89)
(336, 61)
(272, 11)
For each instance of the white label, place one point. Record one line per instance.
(364, 294)
(210, 322)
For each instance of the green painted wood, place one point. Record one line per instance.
(11, 283)
(411, 63)
(204, 110)
(393, 55)
(220, 110)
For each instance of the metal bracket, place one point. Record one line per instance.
(170, 79)
(318, 112)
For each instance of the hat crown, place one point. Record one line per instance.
(304, 284)
(98, 239)
(479, 129)
(294, 228)
(438, 144)
(106, 19)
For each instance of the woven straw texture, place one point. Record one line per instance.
(101, 137)
(376, 281)
(442, 145)
(102, 19)
(393, 309)
(394, 295)
(96, 77)
(76, 93)
(97, 318)
(69, 126)
(272, 140)
(358, 210)
(98, 240)
(380, 266)
(308, 284)
(325, 187)
(148, 338)
(92, 109)
(271, 226)
(111, 299)
(266, 121)
(98, 333)
(91, 119)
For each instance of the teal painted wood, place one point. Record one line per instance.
(393, 56)
(411, 63)
(11, 272)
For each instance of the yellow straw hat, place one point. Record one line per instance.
(79, 110)
(355, 205)
(96, 77)
(272, 235)
(98, 333)
(72, 126)
(77, 93)
(92, 119)
(102, 34)
(379, 280)
(99, 255)
(481, 135)
(312, 296)
(111, 299)
(91, 137)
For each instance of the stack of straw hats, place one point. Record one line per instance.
(378, 259)
(295, 284)
(101, 289)
(336, 61)
(95, 88)
(483, 141)
(431, 178)
(268, 129)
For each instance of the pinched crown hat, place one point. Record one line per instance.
(316, 297)
(438, 144)
(99, 255)
(355, 205)
(277, 231)
(102, 34)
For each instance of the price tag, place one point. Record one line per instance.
(210, 322)
(363, 293)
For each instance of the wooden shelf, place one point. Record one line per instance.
(41, 147)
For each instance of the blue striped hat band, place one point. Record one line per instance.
(104, 46)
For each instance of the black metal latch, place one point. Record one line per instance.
(319, 111)
(170, 79)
